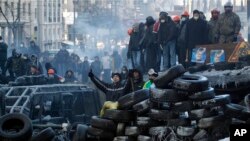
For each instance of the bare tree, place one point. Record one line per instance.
(12, 22)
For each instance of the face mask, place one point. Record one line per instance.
(196, 17)
(124, 72)
(21, 45)
(183, 19)
(162, 21)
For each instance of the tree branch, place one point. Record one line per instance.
(1, 11)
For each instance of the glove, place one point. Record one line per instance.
(91, 73)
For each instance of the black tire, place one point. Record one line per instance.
(219, 100)
(203, 95)
(103, 123)
(233, 110)
(164, 79)
(146, 122)
(245, 115)
(158, 131)
(120, 131)
(224, 66)
(45, 135)
(81, 133)
(182, 106)
(160, 105)
(126, 102)
(185, 131)
(119, 115)
(143, 138)
(191, 83)
(210, 121)
(15, 122)
(202, 113)
(132, 131)
(99, 133)
(179, 122)
(123, 138)
(162, 115)
(166, 95)
(199, 68)
(142, 107)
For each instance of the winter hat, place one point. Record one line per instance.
(150, 21)
(136, 27)
(152, 72)
(196, 12)
(116, 74)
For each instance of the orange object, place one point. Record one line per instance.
(185, 14)
(51, 71)
(130, 31)
(176, 18)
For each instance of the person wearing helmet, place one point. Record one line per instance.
(228, 26)
(52, 77)
(212, 24)
(176, 19)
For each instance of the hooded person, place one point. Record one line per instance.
(136, 79)
(3, 54)
(149, 47)
(70, 77)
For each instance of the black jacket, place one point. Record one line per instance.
(196, 33)
(3, 51)
(112, 91)
(134, 42)
(167, 31)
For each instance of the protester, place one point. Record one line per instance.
(116, 61)
(70, 77)
(34, 61)
(228, 26)
(212, 26)
(3, 55)
(52, 77)
(85, 68)
(134, 48)
(149, 48)
(106, 61)
(167, 35)
(152, 75)
(196, 33)
(34, 70)
(124, 73)
(113, 91)
(97, 67)
(136, 79)
(181, 40)
(34, 49)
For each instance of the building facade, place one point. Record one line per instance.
(40, 20)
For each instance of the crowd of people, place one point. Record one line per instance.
(155, 44)
(173, 39)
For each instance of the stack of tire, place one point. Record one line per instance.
(116, 123)
(180, 107)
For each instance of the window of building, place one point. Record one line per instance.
(6, 8)
(24, 8)
(29, 9)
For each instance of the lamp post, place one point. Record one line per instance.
(75, 2)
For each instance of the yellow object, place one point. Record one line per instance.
(108, 105)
